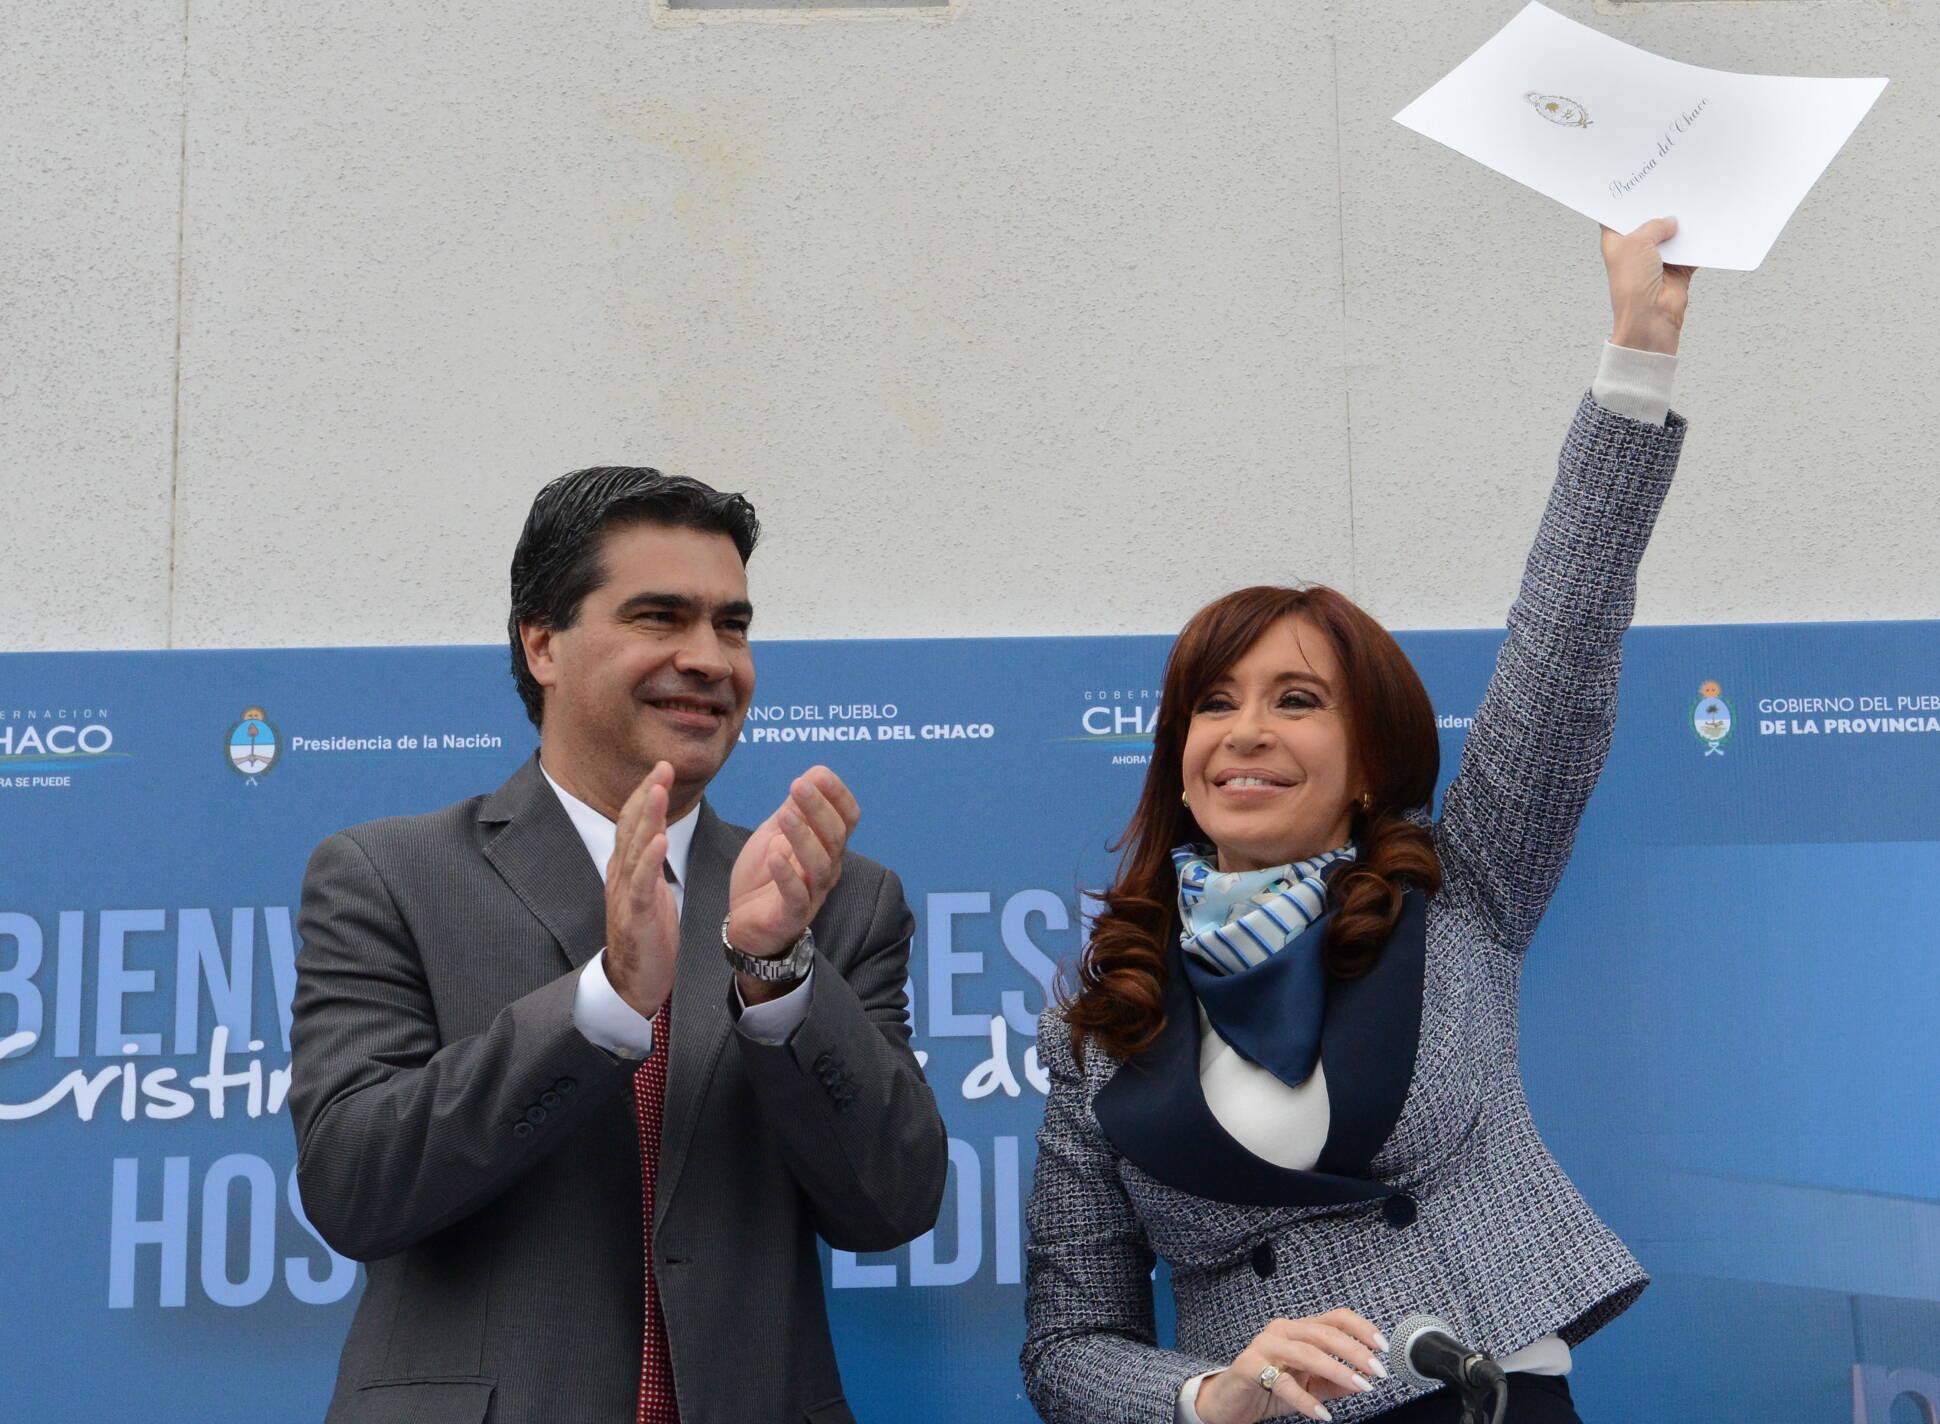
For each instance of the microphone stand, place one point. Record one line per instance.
(1430, 1353)
(1480, 1407)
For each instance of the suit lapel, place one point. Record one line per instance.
(541, 857)
(702, 982)
(1154, 1111)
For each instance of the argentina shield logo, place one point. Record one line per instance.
(253, 744)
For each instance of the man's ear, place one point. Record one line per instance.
(536, 638)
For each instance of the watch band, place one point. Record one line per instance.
(776, 969)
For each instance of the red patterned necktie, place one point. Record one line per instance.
(657, 1405)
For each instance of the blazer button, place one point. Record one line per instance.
(1263, 1263)
(550, 1100)
(565, 1085)
(522, 1129)
(1400, 1211)
(535, 1114)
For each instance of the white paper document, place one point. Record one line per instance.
(1623, 136)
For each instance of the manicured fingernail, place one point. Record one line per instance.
(1321, 1413)
(1380, 1342)
(1380, 1369)
(1362, 1385)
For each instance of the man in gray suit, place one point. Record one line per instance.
(586, 1136)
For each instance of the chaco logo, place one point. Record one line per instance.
(1558, 110)
(1115, 715)
(55, 734)
(253, 745)
(1711, 719)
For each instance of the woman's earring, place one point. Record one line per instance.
(1367, 803)
(1185, 801)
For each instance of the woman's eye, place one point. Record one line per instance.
(1300, 701)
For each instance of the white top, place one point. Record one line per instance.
(1288, 1126)
(1282, 1125)
(599, 1013)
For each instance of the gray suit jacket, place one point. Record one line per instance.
(1434, 1191)
(456, 1132)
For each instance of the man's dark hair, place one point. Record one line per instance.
(557, 562)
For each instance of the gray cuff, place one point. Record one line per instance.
(1635, 384)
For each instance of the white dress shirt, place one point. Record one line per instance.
(599, 1013)
(1288, 1126)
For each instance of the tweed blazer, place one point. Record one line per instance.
(456, 1131)
(1434, 1191)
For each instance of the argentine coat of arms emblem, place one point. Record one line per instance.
(253, 745)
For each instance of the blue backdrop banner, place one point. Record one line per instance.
(1728, 1021)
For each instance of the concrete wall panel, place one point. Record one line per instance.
(1035, 318)
(90, 163)
(972, 311)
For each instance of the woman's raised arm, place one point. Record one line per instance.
(1541, 734)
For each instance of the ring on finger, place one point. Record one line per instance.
(1269, 1377)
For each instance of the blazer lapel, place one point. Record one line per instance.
(702, 983)
(1154, 1111)
(543, 860)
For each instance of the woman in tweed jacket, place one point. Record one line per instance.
(1316, 1117)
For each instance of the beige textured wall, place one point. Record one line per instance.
(1032, 316)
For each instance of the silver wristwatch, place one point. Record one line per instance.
(778, 969)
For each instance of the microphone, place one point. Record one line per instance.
(1430, 1353)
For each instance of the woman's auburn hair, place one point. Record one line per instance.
(1118, 1000)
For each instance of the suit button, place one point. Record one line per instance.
(522, 1129)
(1263, 1263)
(1400, 1211)
(550, 1100)
(822, 1063)
(565, 1085)
(535, 1114)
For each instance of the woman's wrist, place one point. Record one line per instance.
(1643, 335)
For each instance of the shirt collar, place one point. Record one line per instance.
(597, 833)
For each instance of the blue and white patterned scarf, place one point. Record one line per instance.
(1231, 921)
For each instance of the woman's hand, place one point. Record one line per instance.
(1647, 298)
(1317, 1357)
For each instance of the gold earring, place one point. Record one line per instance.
(1183, 801)
(1367, 803)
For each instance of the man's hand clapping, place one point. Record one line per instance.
(642, 916)
(786, 870)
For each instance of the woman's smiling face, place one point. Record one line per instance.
(1268, 767)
